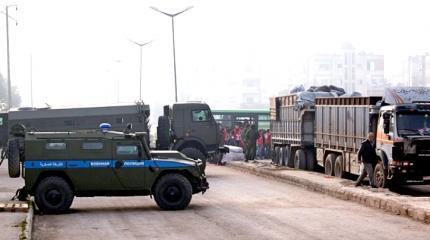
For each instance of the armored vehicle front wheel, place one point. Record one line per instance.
(173, 192)
(53, 195)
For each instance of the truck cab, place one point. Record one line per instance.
(191, 129)
(403, 143)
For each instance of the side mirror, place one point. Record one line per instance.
(386, 123)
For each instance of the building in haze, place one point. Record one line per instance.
(418, 70)
(349, 69)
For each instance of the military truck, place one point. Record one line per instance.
(76, 118)
(191, 129)
(57, 166)
(329, 134)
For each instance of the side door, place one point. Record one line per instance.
(203, 126)
(129, 164)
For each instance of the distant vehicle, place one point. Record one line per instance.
(67, 119)
(191, 129)
(232, 117)
(57, 166)
(330, 134)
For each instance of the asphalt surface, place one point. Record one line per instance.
(10, 222)
(237, 206)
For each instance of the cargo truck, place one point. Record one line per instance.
(330, 133)
(190, 128)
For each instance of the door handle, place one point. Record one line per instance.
(119, 164)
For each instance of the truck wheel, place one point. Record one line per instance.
(300, 159)
(194, 153)
(53, 195)
(173, 192)
(328, 165)
(338, 167)
(310, 160)
(277, 155)
(284, 156)
(281, 156)
(13, 158)
(380, 176)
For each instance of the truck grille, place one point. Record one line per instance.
(423, 148)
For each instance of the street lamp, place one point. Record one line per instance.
(172, 16)
(140, 67)
(9, 85)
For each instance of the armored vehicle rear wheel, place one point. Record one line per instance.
(13, 158)
(53, 195)
(300, 159)
(338, 167)
(194, 153)
(173, 192)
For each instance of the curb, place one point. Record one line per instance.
(28, 230)
(392, 204)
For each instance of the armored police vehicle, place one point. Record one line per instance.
(57, 166)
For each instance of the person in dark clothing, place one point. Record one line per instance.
(367, 156)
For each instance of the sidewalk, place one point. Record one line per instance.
(12, 224)
(417, 208)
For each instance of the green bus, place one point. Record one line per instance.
(230, 118)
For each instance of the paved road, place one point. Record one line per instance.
(9, 221)
(238, 206)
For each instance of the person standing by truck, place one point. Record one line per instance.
(251, 142)
(267, 143)
(260, 144)
(367, 155)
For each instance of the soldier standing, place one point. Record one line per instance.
(245, 140)
(251, 137)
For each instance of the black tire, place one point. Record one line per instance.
(310, 160)
(300, 159)
(290, 158)
(53, 195)
(173, 192)
(329, 163)
(13, 163)
(194, 153)
(338, 167)
(277, 155)
(380, 176)
(284, 155)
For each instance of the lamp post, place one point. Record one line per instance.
(140, 66)
(172, 16)
(9, 85)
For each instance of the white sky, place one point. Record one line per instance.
(80, 48)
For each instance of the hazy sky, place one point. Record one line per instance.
(81, 51)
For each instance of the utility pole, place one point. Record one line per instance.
(172, 16)
(31, 79)
(140, 66)
(9, 85)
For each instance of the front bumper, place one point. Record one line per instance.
(202, 186)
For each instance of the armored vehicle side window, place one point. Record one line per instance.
(92, 145)
(1, 121)
(127, 150)
(201, 115)
(55, 146)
